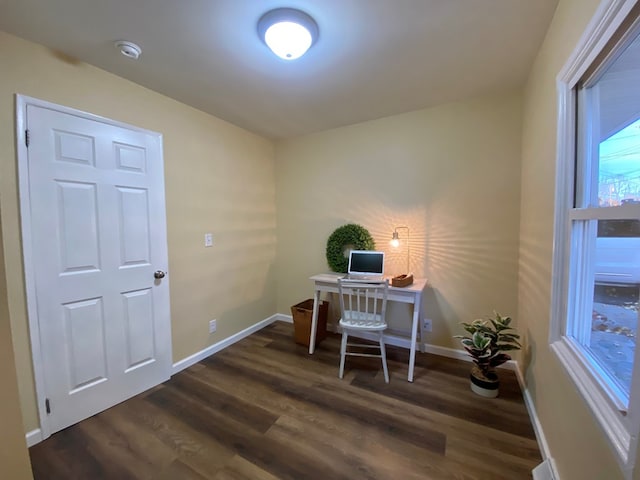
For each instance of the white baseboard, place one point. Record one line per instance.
(462, 355)
(216, 347)
(445, 352)
(402, 340)
(33, 437)
(547, 469)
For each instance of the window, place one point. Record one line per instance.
(605, 227)
(597, 231)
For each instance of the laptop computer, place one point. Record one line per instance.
(365, 265)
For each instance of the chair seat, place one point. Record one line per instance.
(359, 321)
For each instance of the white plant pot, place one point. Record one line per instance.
(485, 387)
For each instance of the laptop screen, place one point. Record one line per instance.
(366, 262)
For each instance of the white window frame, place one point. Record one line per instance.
(622, 427)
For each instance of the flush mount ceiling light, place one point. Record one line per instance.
(288, 32)
(128, 49)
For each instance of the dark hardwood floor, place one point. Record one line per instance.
(264, 409)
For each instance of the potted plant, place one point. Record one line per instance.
(486, 342)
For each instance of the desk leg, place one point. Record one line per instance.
(314, 321)
(414, 338)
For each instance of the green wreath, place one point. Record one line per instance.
(350, 236)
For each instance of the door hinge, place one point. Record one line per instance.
(26, 137)
(47, 406)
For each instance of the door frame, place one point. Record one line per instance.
(24, 201)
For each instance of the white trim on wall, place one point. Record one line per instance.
(27, 256)
(548, 465)
(280, 317)
(216, 347)
(399, 341)
(34, 437)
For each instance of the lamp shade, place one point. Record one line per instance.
(289, 33)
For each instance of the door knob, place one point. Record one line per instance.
(159, 274)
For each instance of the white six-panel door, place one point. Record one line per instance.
(98, 236)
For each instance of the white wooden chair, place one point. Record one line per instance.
(363, 305)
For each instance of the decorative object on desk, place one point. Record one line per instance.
(485, 344)
(405, 279)
(402, 280)
(345, 238)
(301, 314)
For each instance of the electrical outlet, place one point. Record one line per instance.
(208, 239)
(427, 325)
(212, 326)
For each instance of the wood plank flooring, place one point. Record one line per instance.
(264, 409)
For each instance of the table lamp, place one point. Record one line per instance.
(407, 278)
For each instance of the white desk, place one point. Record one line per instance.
(328, 282)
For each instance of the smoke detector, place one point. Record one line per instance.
(128, 49)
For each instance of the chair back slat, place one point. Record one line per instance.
(362, 300)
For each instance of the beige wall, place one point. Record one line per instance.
(219, 179)
(450, 173)
(14, 461)
(575, 440)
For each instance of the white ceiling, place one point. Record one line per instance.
(373, 58)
